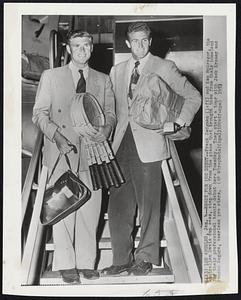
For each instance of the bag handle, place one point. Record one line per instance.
(68, 161)
(66, 158)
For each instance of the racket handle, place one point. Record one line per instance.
(108, 175)
(117, 171)
(103, 176)
(97, 176)
(93, 178)
(113, 175)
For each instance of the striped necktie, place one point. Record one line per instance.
(81, 85)
(134, 78)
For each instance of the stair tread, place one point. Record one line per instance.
(157, 275)
(106, 244)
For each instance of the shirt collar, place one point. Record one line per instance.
(74, 69)
(142, 62)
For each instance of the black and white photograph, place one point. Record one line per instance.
(125, 167)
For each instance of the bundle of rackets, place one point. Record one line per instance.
(104, 169)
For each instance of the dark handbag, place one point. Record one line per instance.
(65, 196)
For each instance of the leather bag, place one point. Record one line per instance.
(64, 197)
(155, 103)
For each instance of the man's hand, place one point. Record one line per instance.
(62, 143)
(93, 134)
(174, 131)
(169, 128)
(102, 134)
(85, 131)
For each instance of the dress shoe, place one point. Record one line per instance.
(89, 273)
(70, 275)
(117, 270)
(141, 268)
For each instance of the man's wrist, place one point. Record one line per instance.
(56, 134)
(180, 122)
(109, 127)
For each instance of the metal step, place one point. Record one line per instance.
(106, 218)
(106, 230)
(157, 275)
(105, 244)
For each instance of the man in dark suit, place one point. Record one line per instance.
(139, 152)
(75, 236)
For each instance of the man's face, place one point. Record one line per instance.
(80, 49)
(139, 43)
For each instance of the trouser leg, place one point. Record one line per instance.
(148, 179)
(63, 233)
(121, 210)
(121, 221)
(87, 219)
(75, 236)
(63, 237)
(142, 187)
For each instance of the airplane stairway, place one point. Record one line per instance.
(159, 274)
(180, 245)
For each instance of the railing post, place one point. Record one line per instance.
(52, 53)
(30, 174)
(187, 251)
(187, 194)
(35, 238)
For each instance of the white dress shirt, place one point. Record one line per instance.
(75, 73)
(132, 62)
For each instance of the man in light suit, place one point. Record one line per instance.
(75, 236)
(139, 153)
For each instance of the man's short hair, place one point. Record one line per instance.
(138, 26)
(78, 33)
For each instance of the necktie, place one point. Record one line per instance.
(134, 78)
(81, 85)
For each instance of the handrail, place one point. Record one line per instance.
(26, 153)
(52, 48)
(71, 27)
(30, 174)
(187, 251)
(32, 254)
(56, 50)
(196, 222)
(35, 234)
(66, 56)
(29, 81)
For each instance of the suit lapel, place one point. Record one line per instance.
(126, 77)
(121, 78)
(148, 67)
(65, 86)
(93, 83)
(126, 81)
(122, 81)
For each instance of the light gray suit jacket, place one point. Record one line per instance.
(150, 145)
(52, 110)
